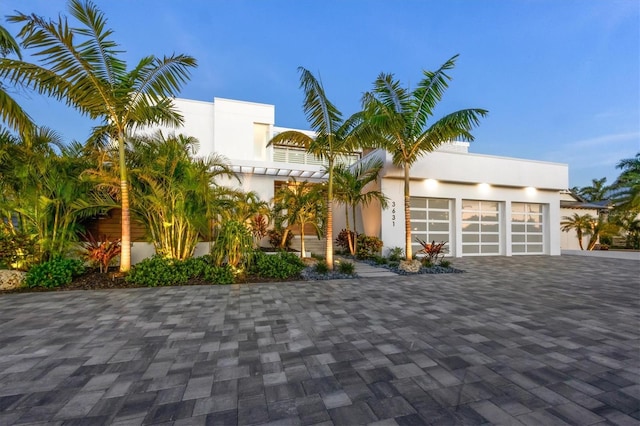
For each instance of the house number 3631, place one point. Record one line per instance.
(393, 213)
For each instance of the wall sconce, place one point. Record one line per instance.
(431, 183)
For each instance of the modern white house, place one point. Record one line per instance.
(478, 204)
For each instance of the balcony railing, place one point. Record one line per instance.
(287, 154)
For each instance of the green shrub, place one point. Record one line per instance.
(158, 271)
(396, 254)
(219, 274)
(445, 263)
(275, 239)
(18, 250)
(54, 273)
(394, 264)
(379, 260)
(282, 265)
(195, 267)
(368, 246)
(427, 262)
(347, 268)
(342, 240)
(321, 268)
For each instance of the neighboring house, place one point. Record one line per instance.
(570, 204)
(479, 204)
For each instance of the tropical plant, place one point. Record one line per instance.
(18, 250)
(43, 194)
(350, 184)
(598, 228)
(172, 190)
(581, 224)
(10, 111)
(627, 186)
(81, 66)
(368, 246)
(598, 191)
(433, 252)
(333, 138)
(345, 240)
(301, 204)
(399, 120)
(233, 245)
(395, 254)
(347, 268)
(277, 237)
(101, 251)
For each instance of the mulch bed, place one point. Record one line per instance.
(94, 280)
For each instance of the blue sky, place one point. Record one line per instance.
(560, 78)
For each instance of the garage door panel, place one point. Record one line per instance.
(481, 227)
(528, 237)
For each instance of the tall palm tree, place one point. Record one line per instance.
(81, 66)
(333, 138)
(581, 224)
(400, 118)
(350, 190)
(299, 203)
(10, 111)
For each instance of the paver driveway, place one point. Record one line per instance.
(532, 340)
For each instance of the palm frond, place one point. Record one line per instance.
(428, 93)
(8, 44)
(292, 137)
(97, 49)
(13, 115)
(323, 116)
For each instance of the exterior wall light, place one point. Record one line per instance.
(484, 187)
(530, 191)
(430, 183)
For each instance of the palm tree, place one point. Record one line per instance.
(350, 190)
(172, 190)
(627, 186)
(333, 138)
(44, 194)
(10, 111)
(299, 203)
(598, 191)
(400, 119)
(580, 224)
(81, 66)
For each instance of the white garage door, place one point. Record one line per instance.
(480, 227)
(527, 228)
(430, 221)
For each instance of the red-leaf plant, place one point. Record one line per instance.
(433, 251)
(101, 251)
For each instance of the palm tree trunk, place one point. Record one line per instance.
(302, 248)
(355, 231)
(349, 239)
(125, 254)
(579, 234)
(329, 231)
(407, 214)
